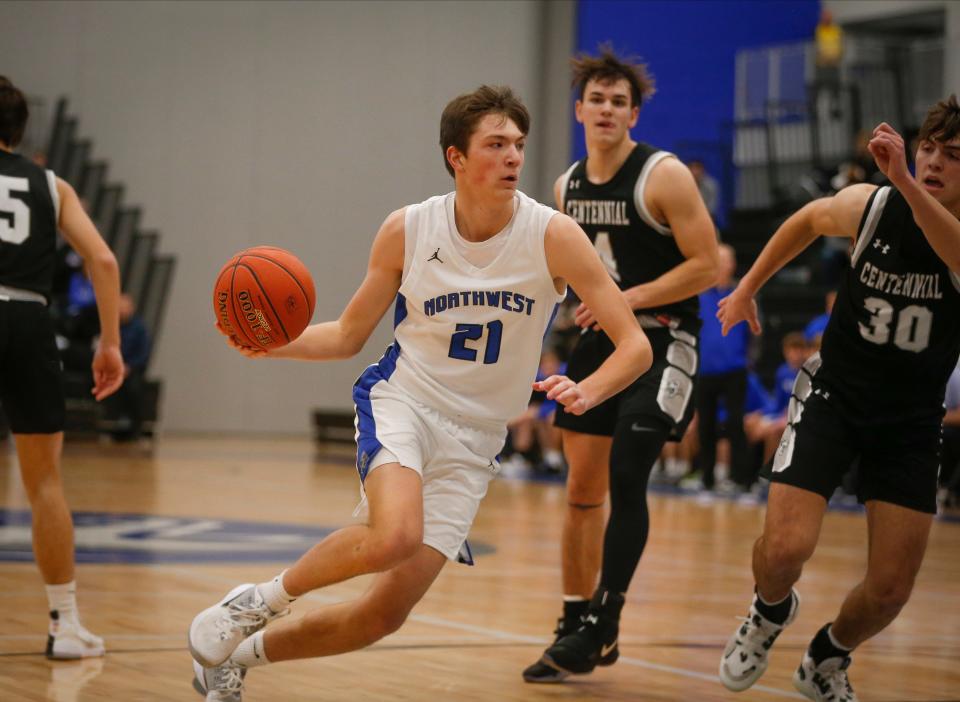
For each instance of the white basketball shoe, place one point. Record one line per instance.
(826, 682)
(745, 657)
(222, 683)
(218, 630)
(67, 639)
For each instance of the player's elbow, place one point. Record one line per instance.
(351, 342)
(709, 271)
(646, 354)
(641, 352)
(351, 348)
(103, 262)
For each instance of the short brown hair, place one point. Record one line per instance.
(794, 340)
(942, 122)
(461, 115)
(13, 113)
(609, 68)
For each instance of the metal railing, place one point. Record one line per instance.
(788, 125)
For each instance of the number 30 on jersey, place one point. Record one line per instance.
(912, 325)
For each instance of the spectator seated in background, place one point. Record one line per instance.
(770, 428)
(135, 345)
(533, 440)
(949, 494)
(759, 401)
(814, 329)
(78, 324)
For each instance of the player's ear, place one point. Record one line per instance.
(634, 115)
(455, 158)
(578, 110)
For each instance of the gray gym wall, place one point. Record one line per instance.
(300, 125)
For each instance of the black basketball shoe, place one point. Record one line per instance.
(593, 643)
(540, 672)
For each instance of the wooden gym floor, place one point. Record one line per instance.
(475, 630)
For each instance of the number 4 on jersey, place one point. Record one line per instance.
(14, 213)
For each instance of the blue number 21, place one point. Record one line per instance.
(472, 332)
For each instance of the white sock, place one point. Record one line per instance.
(774, 604)
(274, 595)
(553, 458)
(833, 640)
(250, 652)
(574, 598)
(63, 598)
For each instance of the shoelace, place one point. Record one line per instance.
(229, 679)
(247, 616)
(836, 682)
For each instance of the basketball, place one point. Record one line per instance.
(264, 297)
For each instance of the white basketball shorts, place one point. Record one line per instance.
(455, 460)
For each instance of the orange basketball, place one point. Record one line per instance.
(264, 297)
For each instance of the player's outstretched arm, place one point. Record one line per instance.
(101, 266)
(939, 225)
(829, 216)
(346, 336)
(572, 258)
(673, 192)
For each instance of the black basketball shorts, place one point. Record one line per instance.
(664, 394)
(898, 461)
(31, 383)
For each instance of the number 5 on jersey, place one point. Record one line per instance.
(14, 213)
(472, 332)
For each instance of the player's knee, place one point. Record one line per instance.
(40, 484)
(785, 551)
(387, 549)
(587, 490)
(889, 594)
(382, 619)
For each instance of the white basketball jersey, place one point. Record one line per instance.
(468, 339)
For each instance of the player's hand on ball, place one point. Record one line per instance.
(234, 343)
(565, 391)
(737, 307)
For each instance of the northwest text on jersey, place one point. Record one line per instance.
(504, 299)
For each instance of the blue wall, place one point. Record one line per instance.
(690, 47)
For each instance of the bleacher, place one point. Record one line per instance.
(790, 133)
(146, 273)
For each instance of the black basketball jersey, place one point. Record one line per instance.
(29, 209)
(633, 246)
(894, 335)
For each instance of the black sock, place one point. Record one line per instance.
(822, 648)
(776, 613)
(573, 612)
